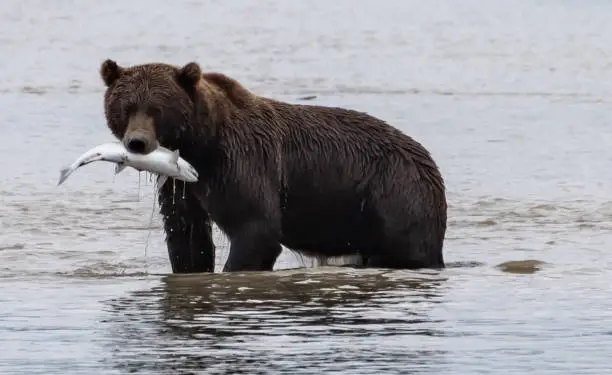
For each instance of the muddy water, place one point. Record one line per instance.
(513, 100)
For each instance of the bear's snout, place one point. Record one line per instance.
(140, 137)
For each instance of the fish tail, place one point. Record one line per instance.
(64, 173)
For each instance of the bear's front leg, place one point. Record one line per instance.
(188, 230)
(254, 247)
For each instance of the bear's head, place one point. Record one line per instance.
(150, 103)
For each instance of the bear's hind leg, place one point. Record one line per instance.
(411, 248)
(253, 248)
(408, 227)
(395, 258)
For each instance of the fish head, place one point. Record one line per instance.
(151, 104)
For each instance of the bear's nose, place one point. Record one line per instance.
(137, 145)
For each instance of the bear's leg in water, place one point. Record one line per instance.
(411, 243)
(410, 226)
(188, 231)
(253, 248)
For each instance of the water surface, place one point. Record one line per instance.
(512, 99)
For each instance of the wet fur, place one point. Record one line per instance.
(323, 181)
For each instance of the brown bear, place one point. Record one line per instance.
(323, 181)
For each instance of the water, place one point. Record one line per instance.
(512, 99)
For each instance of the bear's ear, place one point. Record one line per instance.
(110, 72)
(189, 75)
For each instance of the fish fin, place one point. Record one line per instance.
(175, 157)
(64, 173)
(161, 180)
(120, 167)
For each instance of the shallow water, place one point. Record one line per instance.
(512, 99)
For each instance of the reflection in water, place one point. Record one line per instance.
(358, 321)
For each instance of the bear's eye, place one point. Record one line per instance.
(129, 109)
(154, 112)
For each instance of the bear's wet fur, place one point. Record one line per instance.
(323, 181)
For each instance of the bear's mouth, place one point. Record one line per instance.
(169, 142)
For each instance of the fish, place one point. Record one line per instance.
(162, 161)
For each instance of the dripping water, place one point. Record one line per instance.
(150, 228)
(173, 190)
(150, 225)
